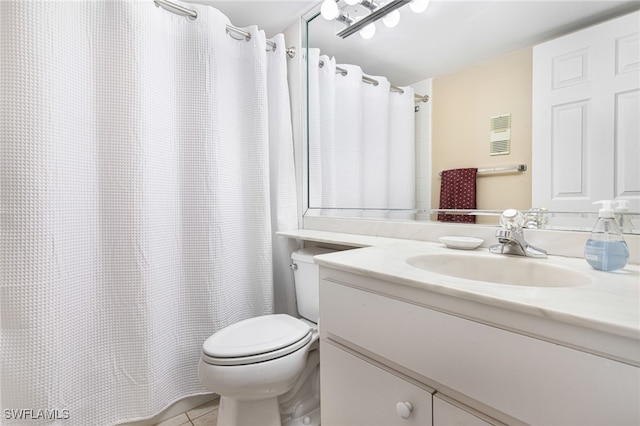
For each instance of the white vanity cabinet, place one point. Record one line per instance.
(381, 341)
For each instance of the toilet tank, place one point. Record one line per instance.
(307, 281)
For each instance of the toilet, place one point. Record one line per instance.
(266, 369)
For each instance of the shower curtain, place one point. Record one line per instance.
(137, 202)
(361, 141)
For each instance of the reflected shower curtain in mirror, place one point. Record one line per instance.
(135, 200)
(361, 141)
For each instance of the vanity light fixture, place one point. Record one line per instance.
(369, 4)
(368, 31)
(419, 6)
(387, 12)
(329, 10)
(391, 19)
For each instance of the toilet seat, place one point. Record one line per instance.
(256, 340)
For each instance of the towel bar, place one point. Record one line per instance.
(517, 167)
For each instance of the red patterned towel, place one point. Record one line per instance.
(458, 191)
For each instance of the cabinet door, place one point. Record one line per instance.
(355, 392)
(447, 414)
(586, 102)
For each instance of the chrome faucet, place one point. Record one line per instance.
(511, 237)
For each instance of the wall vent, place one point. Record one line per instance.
(500, 142)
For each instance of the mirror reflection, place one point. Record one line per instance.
(475, 61)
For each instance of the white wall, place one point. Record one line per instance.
(423, 149)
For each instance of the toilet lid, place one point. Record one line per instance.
(254, 336)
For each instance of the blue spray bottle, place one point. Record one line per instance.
(606, 249)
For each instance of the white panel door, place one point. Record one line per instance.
(586, 104)
(627, 128)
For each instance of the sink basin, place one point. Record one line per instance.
(511, 270)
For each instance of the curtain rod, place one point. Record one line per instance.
(517, 168)
(192, 14)
(367, 79)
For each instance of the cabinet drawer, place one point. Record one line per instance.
(447, 414)
(528, 379)
(355, 392)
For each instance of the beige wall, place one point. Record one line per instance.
(463, 104)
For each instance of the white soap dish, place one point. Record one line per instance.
(461, 243)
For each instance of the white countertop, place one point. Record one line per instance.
(339, 238)
(609, 304)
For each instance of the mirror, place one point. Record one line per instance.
(474, 59)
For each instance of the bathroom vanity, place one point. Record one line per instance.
(403, 345)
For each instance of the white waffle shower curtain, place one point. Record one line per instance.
(136, 203)
(361, 141)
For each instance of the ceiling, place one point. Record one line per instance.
(449, 35)
(271, 16)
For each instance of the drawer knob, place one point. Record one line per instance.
(404, 409)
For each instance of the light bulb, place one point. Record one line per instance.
(391, 19)
(419, 6)
(368, 31)
(352, 2)
(329, 10)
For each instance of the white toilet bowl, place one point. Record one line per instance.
(255, 358)
(253, 362)
(255, 381)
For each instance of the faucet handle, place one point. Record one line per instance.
(512, 220)
(511, 238)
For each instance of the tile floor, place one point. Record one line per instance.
(204, 415)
